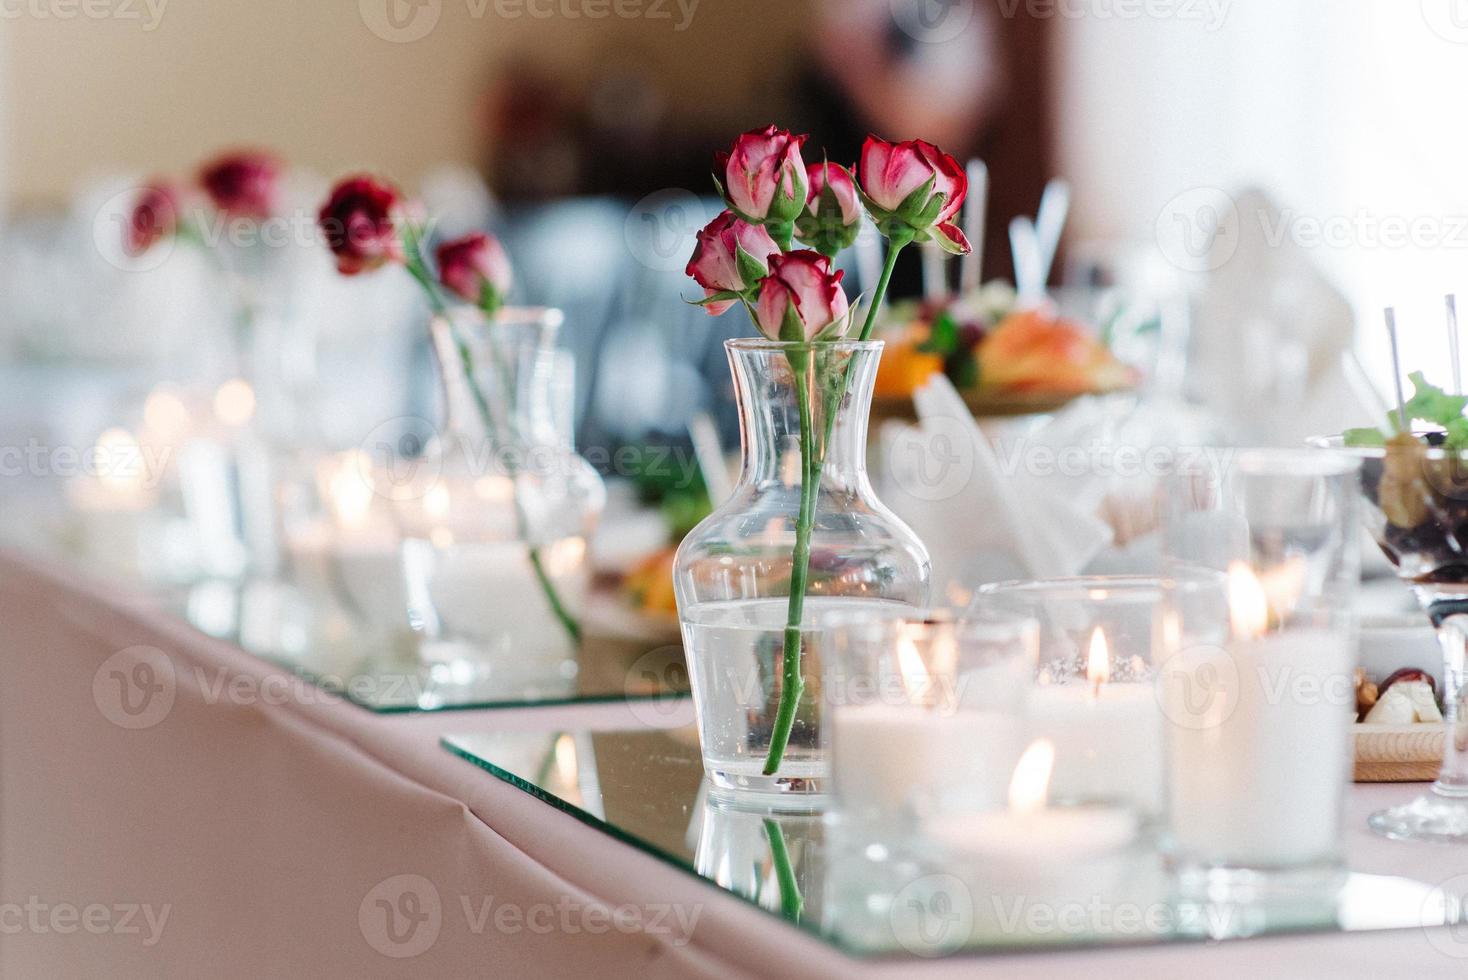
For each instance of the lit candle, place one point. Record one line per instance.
(1107, 735)
(1259, 740)
(918, 744)
(1030, 836)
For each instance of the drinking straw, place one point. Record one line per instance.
(935, 273)
(709, 453)
(1391, 332)
(1025, 245)
(975, 212)
(1050, 223)
(1452, 304)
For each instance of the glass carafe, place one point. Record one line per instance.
(733, 571)
(497, 513)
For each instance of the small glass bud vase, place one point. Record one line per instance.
(733, 573)
(496, 514)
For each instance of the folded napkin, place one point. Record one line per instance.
(984, 518)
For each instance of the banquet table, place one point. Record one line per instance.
(264, 818)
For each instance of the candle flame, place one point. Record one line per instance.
(915, 676)
(120, 461)
(436, 502)
(1248, 605)
(234, 402)
(1029, 788)
(350, 489)
(1098, 664)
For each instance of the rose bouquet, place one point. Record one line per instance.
(748, 256)
(368, 225)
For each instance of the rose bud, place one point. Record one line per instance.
(832, 217)
(359, 223)
(243, 185)
(764, 177)
(730, 259)
(914, 190)
(802, 299)
(155, 216)
(476, 268)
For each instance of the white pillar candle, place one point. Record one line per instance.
(1260, 739)
(1107, 736)
(884, 757)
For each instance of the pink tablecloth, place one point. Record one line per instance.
(252, 828)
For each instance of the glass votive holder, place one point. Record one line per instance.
(340, 542)
(926, 711)
(1256, 658)
(1094, 697)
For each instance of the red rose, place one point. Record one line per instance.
(764, 177)
(476, 268)
(359, 223)
(716, 264)
(802, 299)
(155, 216)
(243, 185)
(893, 177)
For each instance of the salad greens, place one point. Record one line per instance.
(1429, 404)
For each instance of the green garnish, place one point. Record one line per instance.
(1429, 404)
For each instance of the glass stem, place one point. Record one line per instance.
(1452, 635)
(792, 683)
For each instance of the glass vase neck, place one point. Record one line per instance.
(499, 375)
(833, 380)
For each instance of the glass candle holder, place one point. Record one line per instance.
(926, 711)
(1094, 697)
(1257, 652)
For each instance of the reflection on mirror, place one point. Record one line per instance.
(871, 894)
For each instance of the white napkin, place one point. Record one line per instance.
(983, 518)
(1269, 332)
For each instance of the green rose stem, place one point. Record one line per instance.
(792, 683)
(418, 268)
(791, 904)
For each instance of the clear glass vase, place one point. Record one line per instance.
(733, 573)
(496, 513)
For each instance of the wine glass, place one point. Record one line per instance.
(1417, 510)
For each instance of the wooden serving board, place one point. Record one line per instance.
(1398, 753)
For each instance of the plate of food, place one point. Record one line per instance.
(1005, 359)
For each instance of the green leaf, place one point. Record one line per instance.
(751, 269)
(942, 336)
(1430, 403)
(914, 204)
(1362, 438)
(791, 329)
